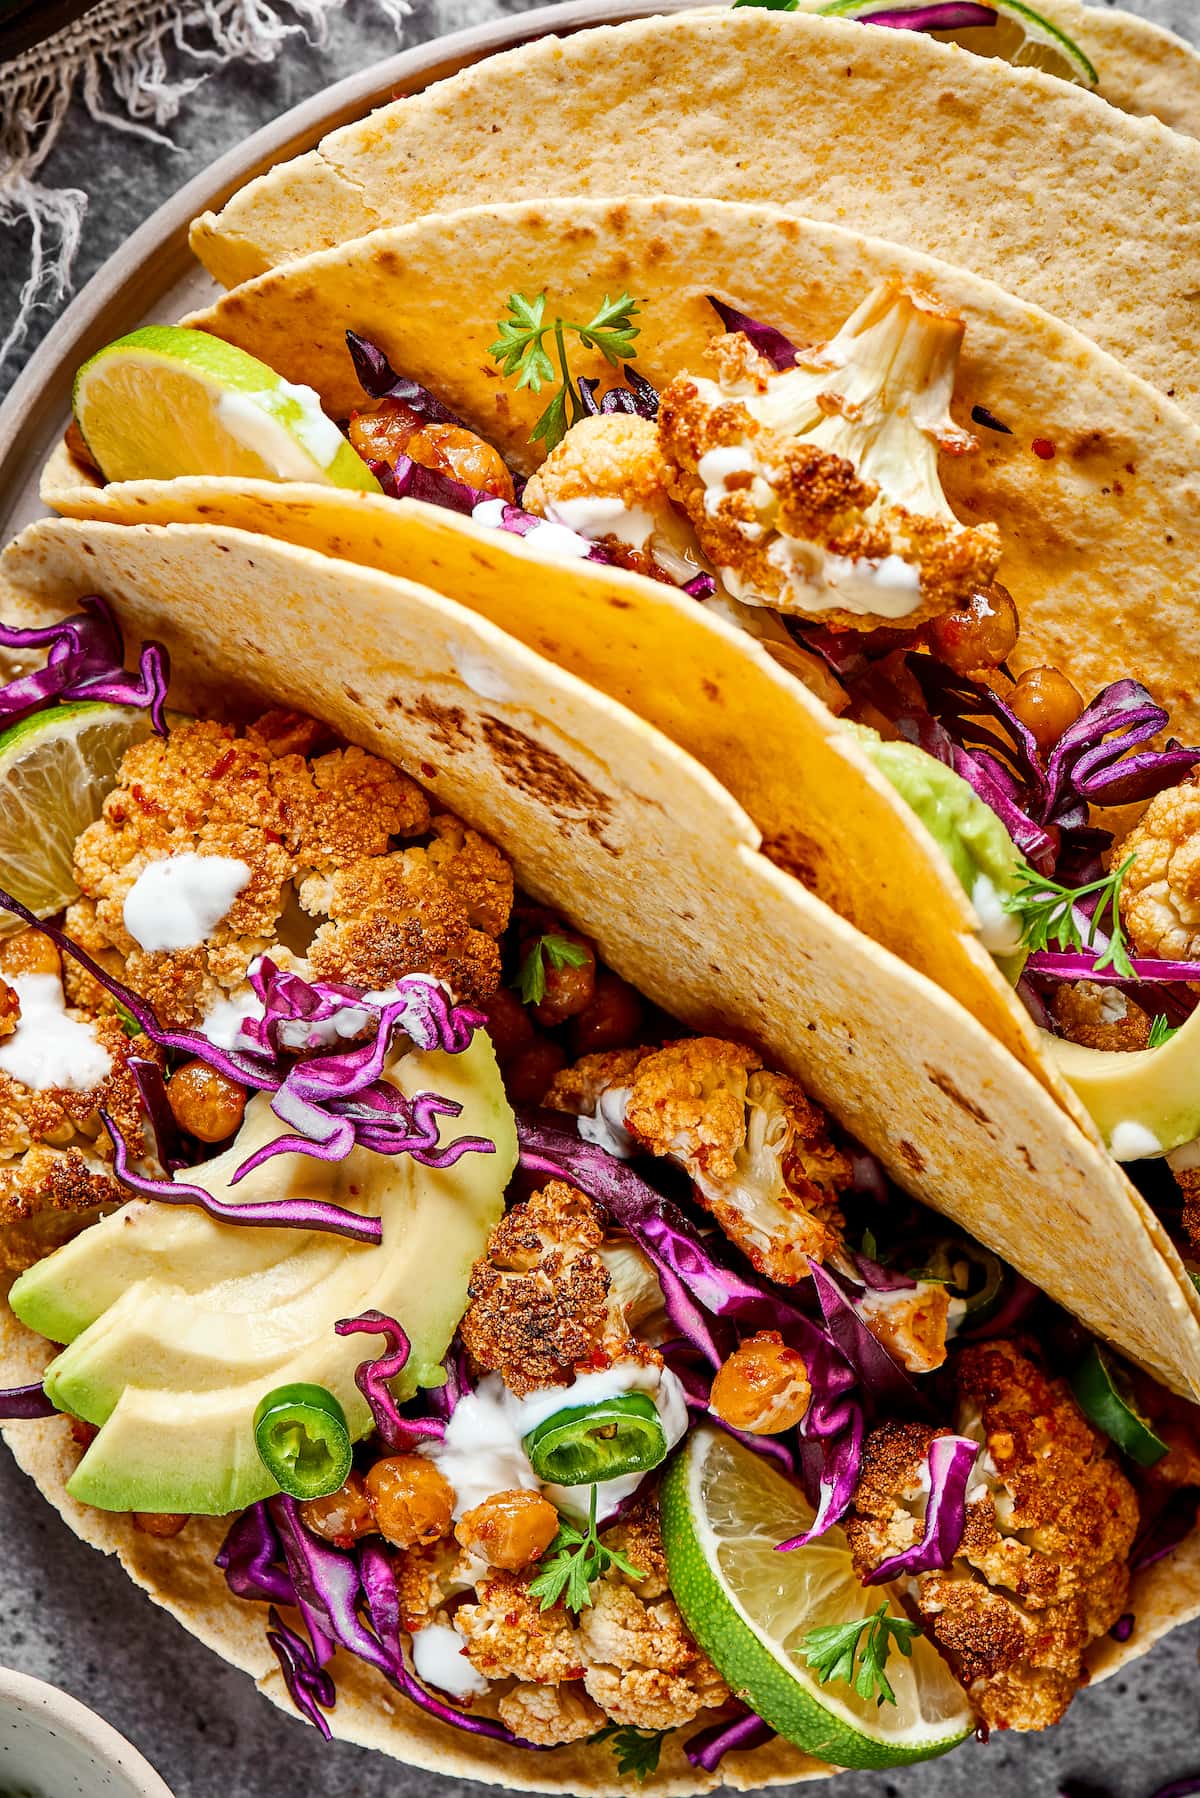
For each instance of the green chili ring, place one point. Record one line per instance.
(1106, 1400)
(584, 1444)
(303, 1440)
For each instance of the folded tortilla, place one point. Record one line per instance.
(1099, 541)
(1024, 179)
(639, 846)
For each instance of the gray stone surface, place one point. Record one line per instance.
(70, 1616)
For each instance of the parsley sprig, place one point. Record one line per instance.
(553, 949)
(1049, 915)
(521, 350)
(573, 1562)
(637, 1750)
(833, 1650)
(1161, 1032)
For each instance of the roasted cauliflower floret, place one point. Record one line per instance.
(550, 1715)
(642, 1666)
(1041, 1570)
(912, 1325)
(815, 490)
(509, 1637)
(1099, 1017)
(610, 481)
(757, 1150)
(1188, 1181)
(321, 826)
(638, 1539)
(1160, 898)
(541, 1298)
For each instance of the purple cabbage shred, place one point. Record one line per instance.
(86, 660)
(639, 397)
(951, 1461)
(778, 350)
(708, 1747)
(1165, 1528)
(24, 1402)
(371, 1377)
(378, 378)
(251, 1558)
(941, 15)
(310, 1687)
(1122, 1629)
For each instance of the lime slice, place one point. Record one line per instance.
(1020, 35)
(56, 768)
(724, 1508)
(165, 402)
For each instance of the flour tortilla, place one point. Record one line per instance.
(640, 847)
(1033, 183)
(1099, 541)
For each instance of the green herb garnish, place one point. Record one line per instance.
(1048, 915)
(553, 949)
(832, 1651)
(520, 349)
(573, 1562)
(1161, 1032)
(637, 1750)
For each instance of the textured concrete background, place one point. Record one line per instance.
(71, 1617)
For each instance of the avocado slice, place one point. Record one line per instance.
(178, 1325)
(1145, 1101)
(968, 832)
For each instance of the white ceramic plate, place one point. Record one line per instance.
(51, 1746)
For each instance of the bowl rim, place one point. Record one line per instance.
(87, 1727)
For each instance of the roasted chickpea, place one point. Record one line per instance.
(28, 952)
(611, 1021)
(529, 1074)
(342, 1516)
(763, 1386)
(413, 1503)
(1046, 703)
(159, 1523)
(509, 1530)
(981, 634)
(570, 988)
(508, 1024)
(393, 429)
(204, 1102)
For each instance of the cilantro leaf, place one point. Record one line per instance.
(572, 1564)
(1161, 1032)
(129, 1023)
(637, 1751)
(556, 950)
(833, 1652)
(1049, 915)
(520, 349)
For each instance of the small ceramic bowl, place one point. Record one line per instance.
(51, 1746)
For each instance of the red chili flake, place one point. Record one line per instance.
(1042, 446)
(428, 771)
(220, 768)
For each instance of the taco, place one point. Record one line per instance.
(1089, 476)
(1032, 183)
(631, 1186)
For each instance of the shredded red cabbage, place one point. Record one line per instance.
(1122, 1629)
(638, 397)
(701, 586)
(406, 479)
(86, 660)
(378, 378)
(882, 1279)
(1078, 966)
(708, 1747)
(779, 350)
(951, 1460)
(1165, 1528)
(25, 1402)
(310, 1687)
(251, 1558)
(943, 15)
(887, 1382)
(371, 1377)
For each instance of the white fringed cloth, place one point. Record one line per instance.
(133, 63)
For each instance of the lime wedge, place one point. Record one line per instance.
(56, 767)
(724, 1508)
(165, 402)
(1019, 35)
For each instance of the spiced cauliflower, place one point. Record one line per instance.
(1042, 1568)
(757, 1150)
(315, 834)
(1160, 896)
(815, 490)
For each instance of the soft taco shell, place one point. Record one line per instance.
(606, 819)
(1029, 181)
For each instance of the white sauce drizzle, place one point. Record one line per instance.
(606, 1125)
(999, 930)
(250, 419)
(1131, 1141)
(438, 1658)
(547, 539)
(48, 1048)
(176, 902)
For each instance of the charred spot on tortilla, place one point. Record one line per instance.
(710, 690)
(447, 723)
(353, 695)
(946, 1085)
(528, 765)
(912, 1155)
(798, 855)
